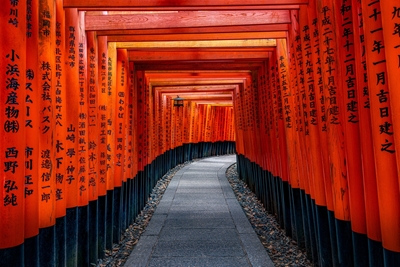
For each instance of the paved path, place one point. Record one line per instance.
(199, 222)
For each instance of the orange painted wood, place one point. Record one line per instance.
(368, 169)
(47, 161)
(72, 104)
(163, 3)
(173, 126)
(287, 95)
(313, 142)
(102, 114)
(12, 120)
(146, 124)
(120, 114)
(198, 37)
(303, 78)
(135, 136)
(297, 84)
(279, 113)
(185, 19)
(382, 122)
(192, 122)
(333, 94)
(198, 30)
(31, 125)
(150, 124)
(93, 116)
(60, 109)
(158, 123)
(83, 130)
(265, 108)
(391, 30)
(346, 49)
(111, 124)
(140, 119)
(217, 65)
(320, 101)
(118, 10)
(143, 55)
(129, 158)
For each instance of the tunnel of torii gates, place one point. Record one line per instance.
(305, 92)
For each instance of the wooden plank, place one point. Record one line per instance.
(198, 30)
(216, 65)
(140, 56)
(199, 44)
(188, 8)
(198, 37)
(186, 19)
(166, 82)
(183, 3)
(215, 89)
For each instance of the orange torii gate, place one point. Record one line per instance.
(312, 114)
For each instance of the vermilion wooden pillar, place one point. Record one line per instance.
(83, 145)
(111, 95)
(328, 250)
(346, 47)
(309, 78)
(60, 134)
(82, 137)
(32, 118)
(72, 104)
(47, 71)
(12, 120)
(288, 109)
(382, 128)
(131, 125)
(391, 35)
(120, 113)
(367, 151)
(93, 115)
(320, 100)
(60, 116)
(102, 97)
(71, 70)
(102, 142)
(297, 84)
(333, 93)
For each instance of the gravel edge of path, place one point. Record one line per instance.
(282, 250)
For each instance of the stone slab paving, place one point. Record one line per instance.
(199, 222)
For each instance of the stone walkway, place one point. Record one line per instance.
(199, 222)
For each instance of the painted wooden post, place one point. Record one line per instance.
(102, 99)
(391, 35)
(83, 182)
(72, 102)
(382, 130)
(131, 124)
(344, 29)
(60, 112)
(12, 120)
(311, 100)
(71, 141)
(367, 151)
(93, 116)
(111, 94)
(32, 118)
(320, 101)
(120, 113)
(47, 185)
(333, 92)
